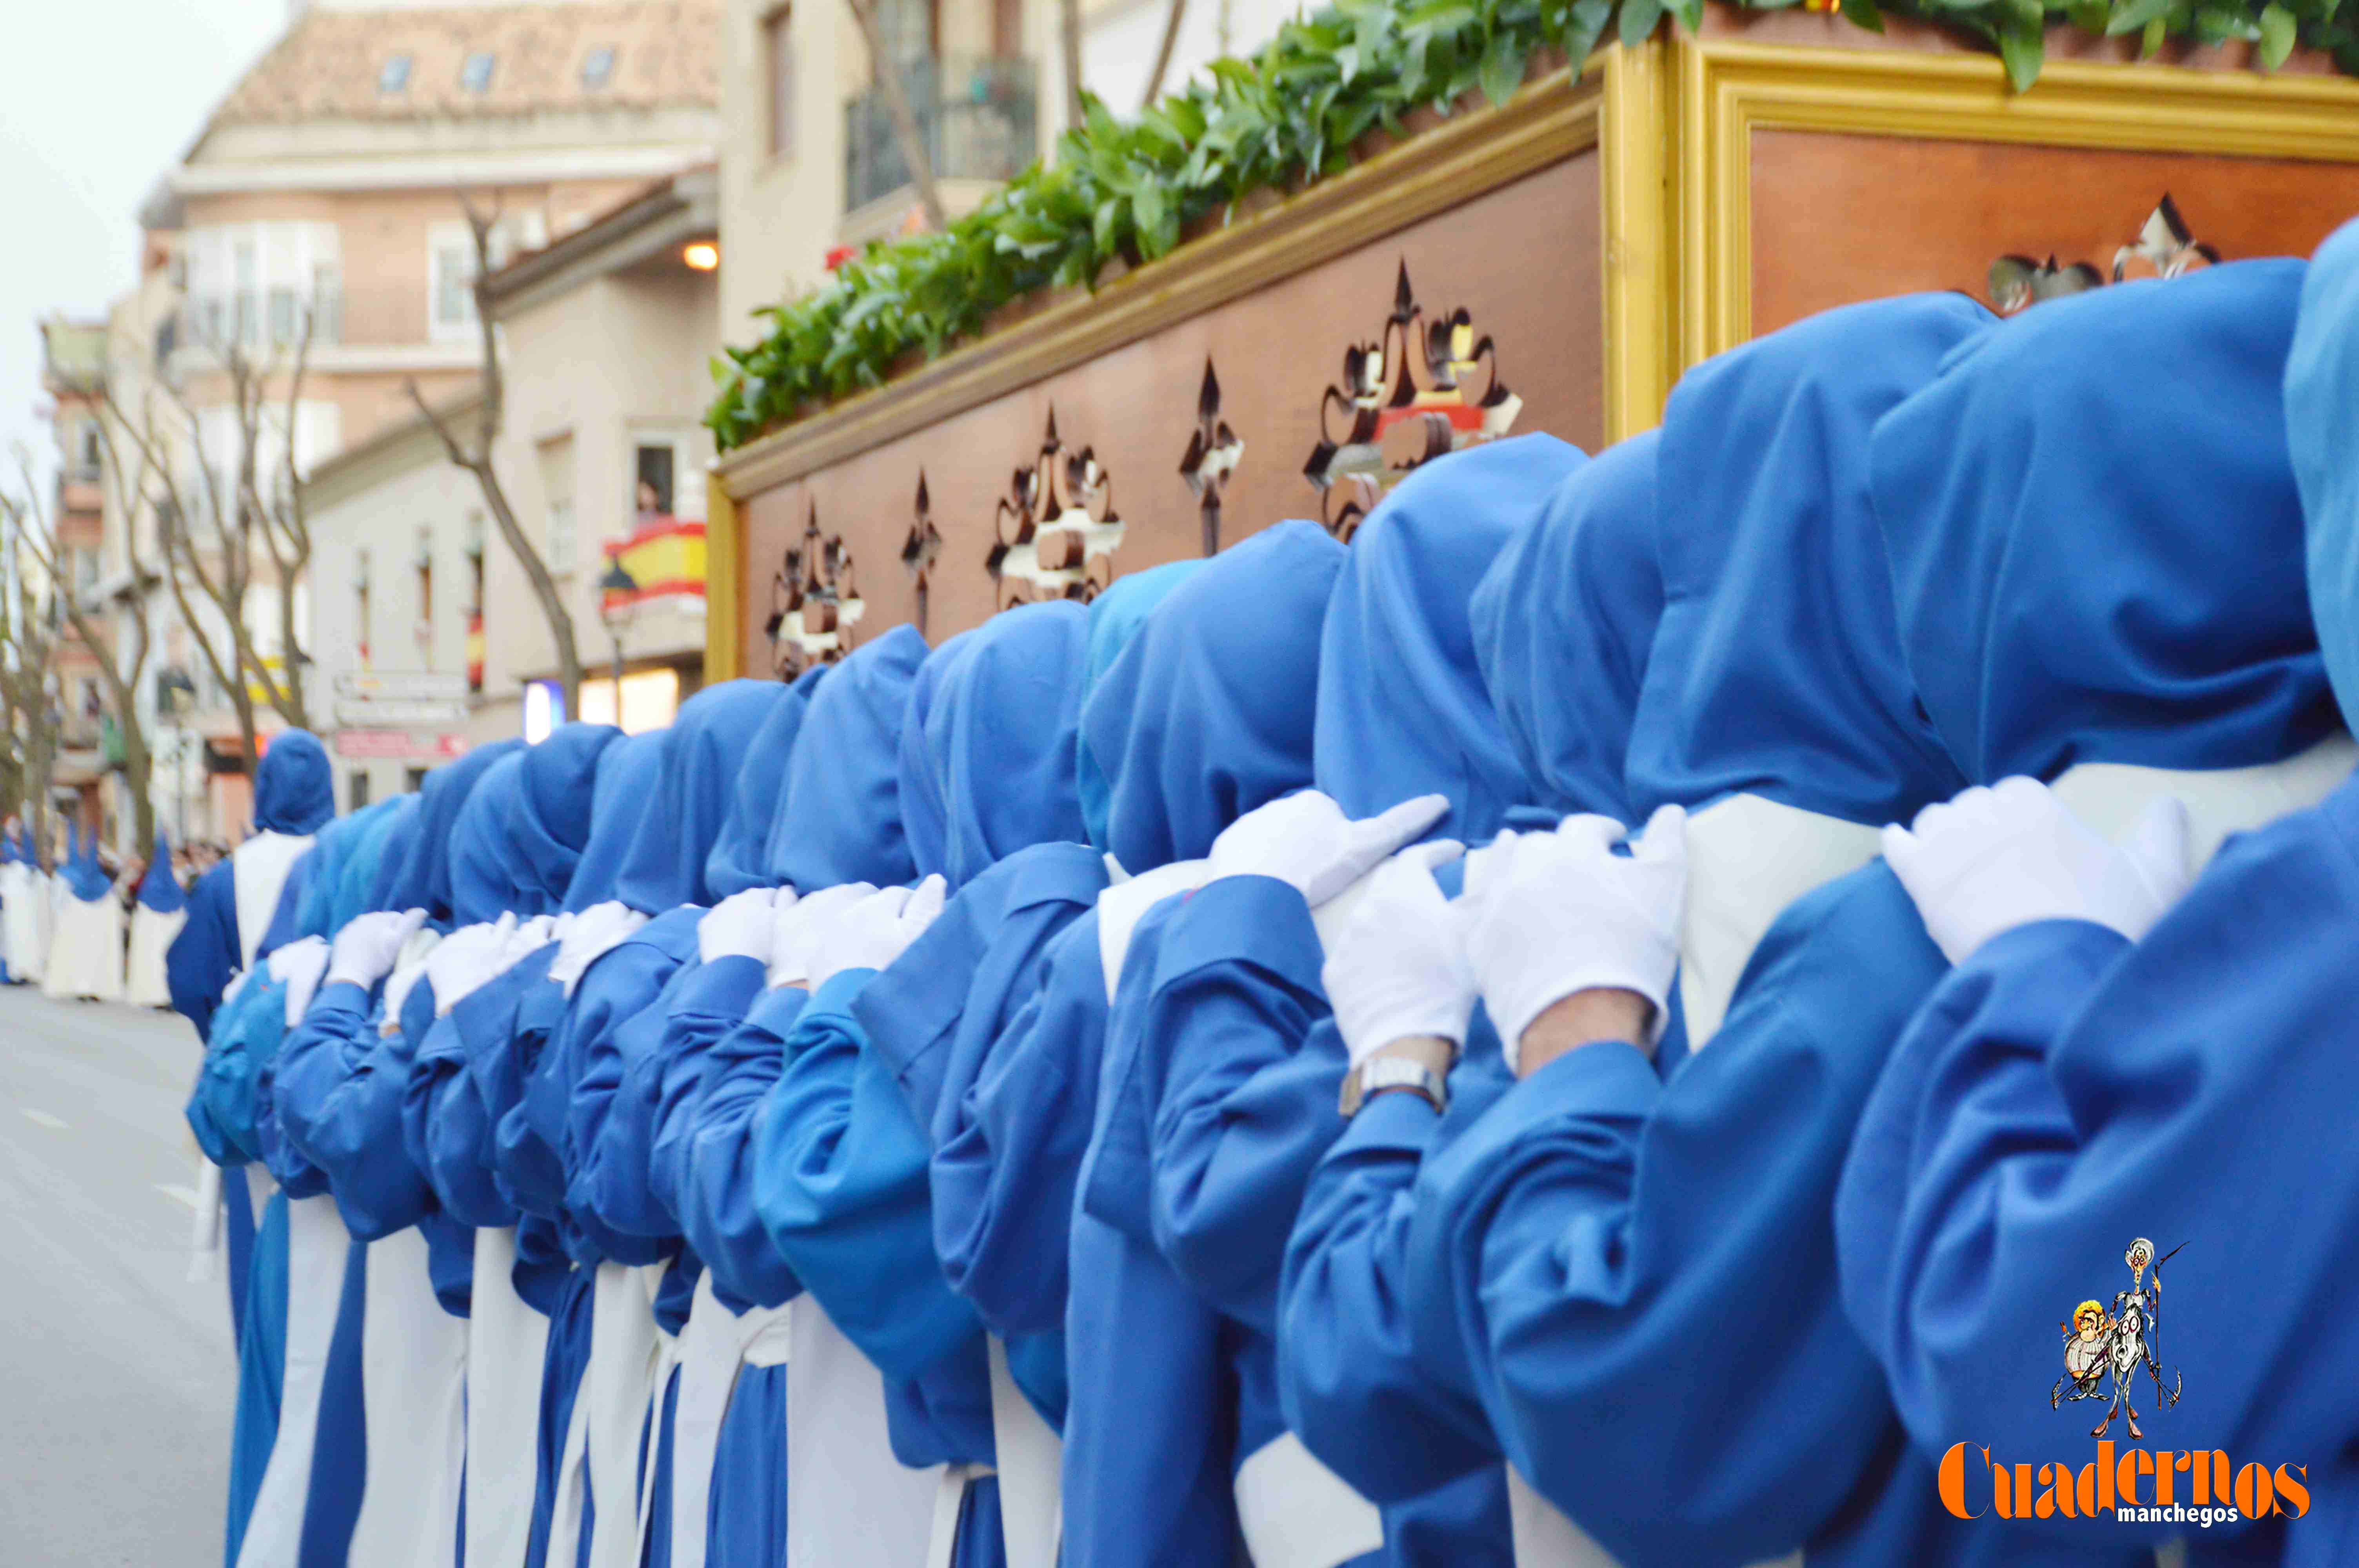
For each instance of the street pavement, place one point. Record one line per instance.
(118, 1375)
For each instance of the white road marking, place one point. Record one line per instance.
(177, 1194)
(43, 1119)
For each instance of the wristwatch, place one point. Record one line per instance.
(1378, 1073)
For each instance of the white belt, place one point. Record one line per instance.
(848, 1500)
(1031, 1471)
(507, 1342)
(413, 1380)
(950, 1496)
(1297, 1513)
(711, 1347)
(667, 1351)
(316, 1245)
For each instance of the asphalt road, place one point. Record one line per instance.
(118, 1375)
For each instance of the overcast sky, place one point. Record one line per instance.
(97, 98)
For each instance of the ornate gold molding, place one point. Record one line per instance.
(1549, 120)
(1636, 221)
(1724, 92)
(724, 582)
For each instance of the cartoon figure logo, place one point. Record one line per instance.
(2101, 1345)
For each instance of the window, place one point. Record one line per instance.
(244, 318)
(779, 50)
(251, 283)
(87, 441)
(653, 494)
(356, 789)
(415, 779)
(392, 76)
(450, 267)
(598, 68)
(557, 492)
(475, 76)
(454, 286)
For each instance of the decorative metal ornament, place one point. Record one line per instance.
(2165, 247)
(1213, 453)
(1393, 418)
(814, 604)
(1055, 531)
(921, 549)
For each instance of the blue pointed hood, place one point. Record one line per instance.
(364, 868)
(85, 878)
(1402, 709)
(293, 790)
(2321, 388)
(1116, 617)
(1000, 731)
(425, 879)
(709, 736)
(2096, 538)
(1210, 709)
(159, 889)
(735, 863)
(628, 773)
(1777, 668)
(841, 821)
(485, 881)
(547, 818)
(925, 815)
(1563, 624)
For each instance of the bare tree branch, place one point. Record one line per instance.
(1163, 51)
(886, 72)
(1069, 39)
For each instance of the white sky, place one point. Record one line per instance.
(97, 98)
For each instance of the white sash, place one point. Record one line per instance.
(2109, 796)
(414, 1380)
(507, 1343)
(316, 1245)
(668, 1354)
(713, 1345)
(848, 1500)
(1031, 1471)
(1544, 1537)
(1748, 859)
(615, 1392)
(260, 866)
(1297, 1513)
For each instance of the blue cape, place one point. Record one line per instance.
(1777, 668)
(1207, 712)
(665, 868)
(2096, 543)
(1000, 732)
(483, 880)
(1115, 617)
(2321, 388)
(735, 863)
(293, 790)
(1402, 710)
(841, 821)
(628, 772)
(548, 820)
(925, 815)
(1563, 624)
(159, 889)
(424, 881)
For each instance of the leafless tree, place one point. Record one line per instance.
(884, 71)
(1171, 18)
(28, 650)
(1069, 39)
(474, 455)
(121, 670)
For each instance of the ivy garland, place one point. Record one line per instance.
(1126, 189)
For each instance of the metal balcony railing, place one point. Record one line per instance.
(978, 119)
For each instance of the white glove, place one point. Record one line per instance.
(298, 966)
(797, 925)
(538, 932)
(1305, 839)
(873, 933)
(738, 926)
(463, 960)
(407, 971)
(1547, 914)
(1996, 859)
(1400, 968)
(367, 945)
(595, 929)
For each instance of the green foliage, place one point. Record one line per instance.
(1126, 189)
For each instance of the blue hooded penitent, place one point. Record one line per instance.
(1115, 617)
(1208, 711)
(925, 815)
(482, 883)
(2062, 1091)
(159, 889)
(2321, 388)
(1000, 731)
(294, 790)
(735, 863)
(1563, 624)
(548, 823)
(424, 880)
(709, 740)
(85, 877)
(2068, 507)
(1402, 711)
(854, 780)
(364, 867)
(393, 856)
(628, 772)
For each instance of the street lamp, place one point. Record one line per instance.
(619, 597)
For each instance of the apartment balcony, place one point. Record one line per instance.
(978, 119)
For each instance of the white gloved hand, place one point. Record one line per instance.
(466, 958)
(1548, 914)
(1996, 859)
(737, 927)
(1400, 968)
(796, 928)
(407, 971)
(367, 945)
(874, 932)
(595, 929)
(538, 932)
(1305, 839)
(298, 966)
